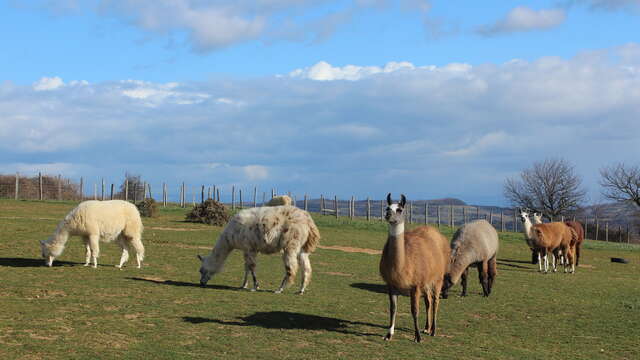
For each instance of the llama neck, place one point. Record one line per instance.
(396, 245)
(58, 240)
(218, 255)
(526, 229)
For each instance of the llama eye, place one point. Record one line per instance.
(399, 210)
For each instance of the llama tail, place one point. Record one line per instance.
(314, 237)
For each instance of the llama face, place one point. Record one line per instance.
(524, 216)
(394, 213)
(205, 274)
(46, 254)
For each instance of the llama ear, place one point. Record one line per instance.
(403, 200)
(200, 257)
(389, 199)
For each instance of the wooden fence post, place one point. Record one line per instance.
(95, 191)
(502, 220)
(240, 195)
(202, 194)
(352, 207)
(81, 188)
(233, 197)
(606, 231)
(164, 194)
(126, 189)
(438, 215)
(620, 233)
(426, 213)
(336, 204)
(451, 221)
(306, 203)
(321, 204)
(597, 228)
(255, 196)
(17, 189)
(368, 209)
(59, 187)
(381, 209)
(477, 213)
(490, 217)
(102, 194)
(111, 197)
(40, 185)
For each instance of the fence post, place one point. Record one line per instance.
(81, 188)
(336, 204)
(438, 215)
(368, 209)
(59, 187)
(40, 185)
(477, 213)
(381, 209)
(111, 197)
(126, 189)
(218, 194)
(306, 204)
(164, 194)
(17, 185)
(321, 204)
(233, 197)
(586, 227)
(619, 233)
(490, 217)
(202, 194)
(502, 220)
(515, 220)
(606, 231)
(95, 191)
(240, 195)
(255, 196)
(102, 196)
(352, 206)
(426, 213)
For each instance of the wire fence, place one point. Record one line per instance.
(56, 187)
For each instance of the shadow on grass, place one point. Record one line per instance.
(30, 262)
(291, 320)
(377, 288)
(182, 283)
(506, 262)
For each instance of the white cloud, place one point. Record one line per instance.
(256, 172)
(48, 83)
(477, 147)
(523, 18)
(325, 71)
(609, 4)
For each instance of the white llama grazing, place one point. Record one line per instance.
(266, 230)
(94, 221)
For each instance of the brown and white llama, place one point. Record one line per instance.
(413, 264)
(475, 243)
(552, 238)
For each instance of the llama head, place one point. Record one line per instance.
(205, 274)
(394, 212)
(537, 218)
(524, 215)
(46, 253)
(446, 284)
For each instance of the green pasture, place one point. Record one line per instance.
(160, 312)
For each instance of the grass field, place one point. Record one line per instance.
(70, 311)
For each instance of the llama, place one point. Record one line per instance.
(113, 220)
(413, 263)
(577, 226)
(474, 243)
(554, 237)
(526, 230)
(266, 230)
(279, 201)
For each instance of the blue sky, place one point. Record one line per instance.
(354, 97)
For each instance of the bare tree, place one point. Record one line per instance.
(621, 183)
(550, 187)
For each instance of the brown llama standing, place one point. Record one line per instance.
(553, 238)
(577, 226)
(413, 263)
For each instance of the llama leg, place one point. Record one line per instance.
(125, 252)
(493, 270)
(393, 307)
(87, 258)
(415, 306)
(539, 261)
(250, 268)
(427, 306)
(303, 261)
(554, 255)
(95, 249)
(483, 274)
(434, 310)
(463, 281)
(290, 267)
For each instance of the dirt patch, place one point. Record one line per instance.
(175, 229)
(351, 249)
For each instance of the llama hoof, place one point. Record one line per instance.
(387, 337)
(301, 292)
(417, 339)
(254, 289)
(279, 291)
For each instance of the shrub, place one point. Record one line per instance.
(148, 208)
(209, 212)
